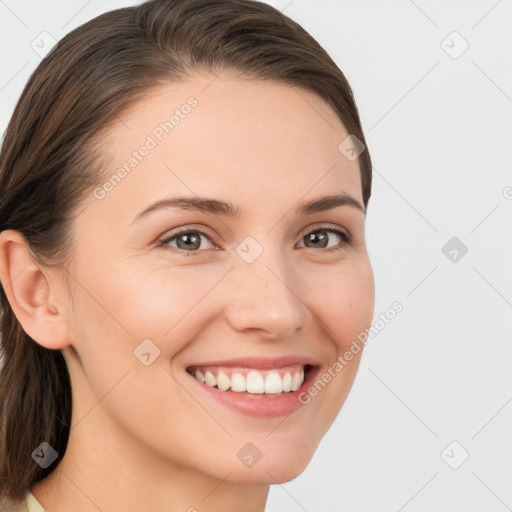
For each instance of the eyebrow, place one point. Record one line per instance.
(225, 208)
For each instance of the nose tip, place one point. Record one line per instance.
(265, 300)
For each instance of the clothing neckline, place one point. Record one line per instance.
(32, 504)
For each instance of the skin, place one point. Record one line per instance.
(142, 437)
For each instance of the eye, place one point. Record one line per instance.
(319, 238)
(186, 240)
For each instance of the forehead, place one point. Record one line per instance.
(228, 137)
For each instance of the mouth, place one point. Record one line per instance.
(251, 381)
(257, 387)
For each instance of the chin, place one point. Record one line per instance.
(275, 466)
(270, 474)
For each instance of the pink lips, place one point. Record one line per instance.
(260, 405)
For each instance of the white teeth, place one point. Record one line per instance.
(273, 383)
(254, 383)
(238, 383)
(223, 381)
(210, 379)
(297, 380)
(287, 381)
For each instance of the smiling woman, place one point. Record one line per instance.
(160, 336)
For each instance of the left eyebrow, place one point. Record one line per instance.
(325, 203)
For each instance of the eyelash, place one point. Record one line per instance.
(346, 238)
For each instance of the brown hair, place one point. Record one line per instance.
(51, 159)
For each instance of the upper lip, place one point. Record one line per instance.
(262, 363)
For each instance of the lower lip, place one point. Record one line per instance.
(263, 406)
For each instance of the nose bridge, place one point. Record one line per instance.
(264, 296)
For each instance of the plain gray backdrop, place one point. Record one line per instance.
(427, 426)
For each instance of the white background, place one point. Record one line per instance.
(439, 131)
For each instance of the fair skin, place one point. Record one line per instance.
(149, 437)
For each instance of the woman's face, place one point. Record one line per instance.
(238, 300)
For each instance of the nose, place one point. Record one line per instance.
(265, 296)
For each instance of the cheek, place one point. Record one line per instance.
(169, 306)
(344, 301)
(345, 305)
(136, 302)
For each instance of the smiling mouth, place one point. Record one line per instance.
(252, 381)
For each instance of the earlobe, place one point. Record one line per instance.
(29, 292)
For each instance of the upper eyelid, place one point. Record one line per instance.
(202, 231)
(327, 226)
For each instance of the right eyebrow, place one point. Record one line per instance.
(203, 204)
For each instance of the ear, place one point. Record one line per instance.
(30, 289)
